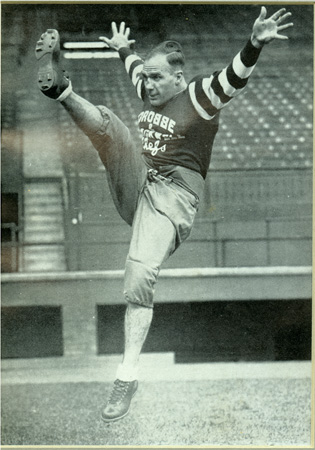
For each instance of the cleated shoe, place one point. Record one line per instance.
(52, 80)
(119, 402)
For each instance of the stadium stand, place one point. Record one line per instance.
(257, 207)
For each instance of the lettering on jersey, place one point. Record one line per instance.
(156, 130)
(157, 119)
(151, 140)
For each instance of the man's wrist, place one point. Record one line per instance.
(124, 52)
(122, 46)
(256, 43)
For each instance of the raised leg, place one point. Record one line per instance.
(85, 115)
(111, 138)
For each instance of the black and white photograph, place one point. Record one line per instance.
(156, 224)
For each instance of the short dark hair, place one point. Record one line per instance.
(173, 51)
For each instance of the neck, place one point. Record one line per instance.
(181, 86)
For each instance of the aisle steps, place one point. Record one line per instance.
(43, 227)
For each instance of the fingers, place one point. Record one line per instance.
(122, 28)
(281, 36)
(105, 40)
(280, 17)
(263, 13)
(283, 27)
(125, 32)
(277, 14)
(284, 17)
(120, 37)
(114, 28)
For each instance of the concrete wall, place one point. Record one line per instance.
(80, 295)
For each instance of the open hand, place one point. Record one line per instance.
(120, 38)
(266, 30)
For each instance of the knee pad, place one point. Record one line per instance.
(139, 283)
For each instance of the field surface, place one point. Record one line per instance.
(242, 411)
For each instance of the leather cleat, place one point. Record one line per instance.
(119, 402)
(52, 79)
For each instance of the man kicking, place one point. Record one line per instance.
(156, 189)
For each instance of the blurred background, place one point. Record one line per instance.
(63, 243)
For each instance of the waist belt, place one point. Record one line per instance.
(153, 175)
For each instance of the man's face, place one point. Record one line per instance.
(159, 80)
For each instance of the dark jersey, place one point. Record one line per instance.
(176, 134)
(181, 132)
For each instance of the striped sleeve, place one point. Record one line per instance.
(133, 66)
(210, 94)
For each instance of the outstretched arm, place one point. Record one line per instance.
(133, 63)
(209, 95)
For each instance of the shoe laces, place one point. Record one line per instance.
(119, 391)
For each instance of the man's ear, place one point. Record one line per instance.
(179, 76)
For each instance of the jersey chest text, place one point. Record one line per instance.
(157, 131)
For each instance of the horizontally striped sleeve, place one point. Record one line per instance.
(210, 94)
(133, 66)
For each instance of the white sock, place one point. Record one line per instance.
(127, 373)
(65, 93)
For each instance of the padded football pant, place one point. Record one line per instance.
(160, 211)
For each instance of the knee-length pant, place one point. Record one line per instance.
(160, 211)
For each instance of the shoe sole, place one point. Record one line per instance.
(47, 54)
(116, 418)
(120, 417)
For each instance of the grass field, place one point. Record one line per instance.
(241, 412)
